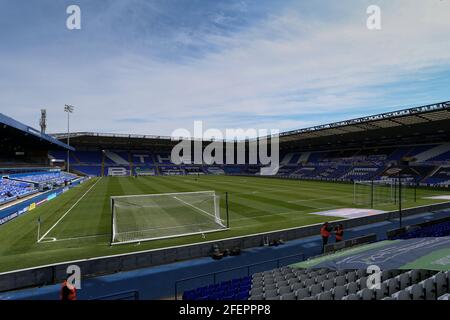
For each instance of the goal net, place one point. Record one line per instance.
(376, 192)
(158, 216)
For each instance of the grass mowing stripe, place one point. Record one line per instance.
(256, 205)
(70, 209)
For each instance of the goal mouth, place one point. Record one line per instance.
(146, 217)
(371, 193)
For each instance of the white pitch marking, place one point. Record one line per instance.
(73, 206)
(316, 199)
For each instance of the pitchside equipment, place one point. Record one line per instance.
(159, 216)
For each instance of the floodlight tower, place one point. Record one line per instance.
(69, 109)
(43, 120)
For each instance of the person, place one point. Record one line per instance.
(325, 233)
(339, 233)
(68, 291)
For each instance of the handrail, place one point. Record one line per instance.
(215, 274)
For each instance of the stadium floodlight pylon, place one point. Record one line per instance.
(137, 218)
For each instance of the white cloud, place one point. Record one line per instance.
(288, 65)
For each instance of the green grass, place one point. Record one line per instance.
(255, 205)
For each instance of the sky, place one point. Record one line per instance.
(152, 67)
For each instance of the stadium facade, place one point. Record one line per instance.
(359, 149)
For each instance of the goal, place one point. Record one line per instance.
(147, 217)
(376, 192)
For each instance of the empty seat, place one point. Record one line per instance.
(351, 297)
(256, 297)
(283, 290)
(296, 286)
(362, 283)
(351, 276)
(392, 285)
(270, 287)
(340, 280)
(258, 275)
(328, 284)
(415, 276)
(258, 282)
(341, 273)
(269, 280)
(331, 275)
(308, 282)
(302, 293)
(315, 289)
(321, 278)
(352, 288)
(282, 283)
(310, 298)
(256, 291)
(279, 278)
(302, 277)
(440, 280)
(288, 296)
(325, 296)
(361, 273)
(382, 291)
(404, 280)
(429, 288)
(270, 294)
(417, 292)
(402, 295)
(274, 298)
(365, 294)
(339, 292)
(290, 276)
(445, 297)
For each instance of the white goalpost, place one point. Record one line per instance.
(137, 218)
(376, 192)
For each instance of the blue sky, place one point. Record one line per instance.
(151, 67)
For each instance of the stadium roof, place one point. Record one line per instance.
(414, 125)
(405, 117)
(425, 124)
(12, 130)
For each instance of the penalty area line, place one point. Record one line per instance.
(70, 209)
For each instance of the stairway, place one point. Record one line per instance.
(116, 158)
(433, 152)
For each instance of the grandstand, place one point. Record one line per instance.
(69, 216)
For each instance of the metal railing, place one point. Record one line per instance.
(214, 275)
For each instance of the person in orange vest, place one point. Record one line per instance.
(68, 291)
(325, 233)
(339, 233)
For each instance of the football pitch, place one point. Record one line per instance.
(78, 224)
